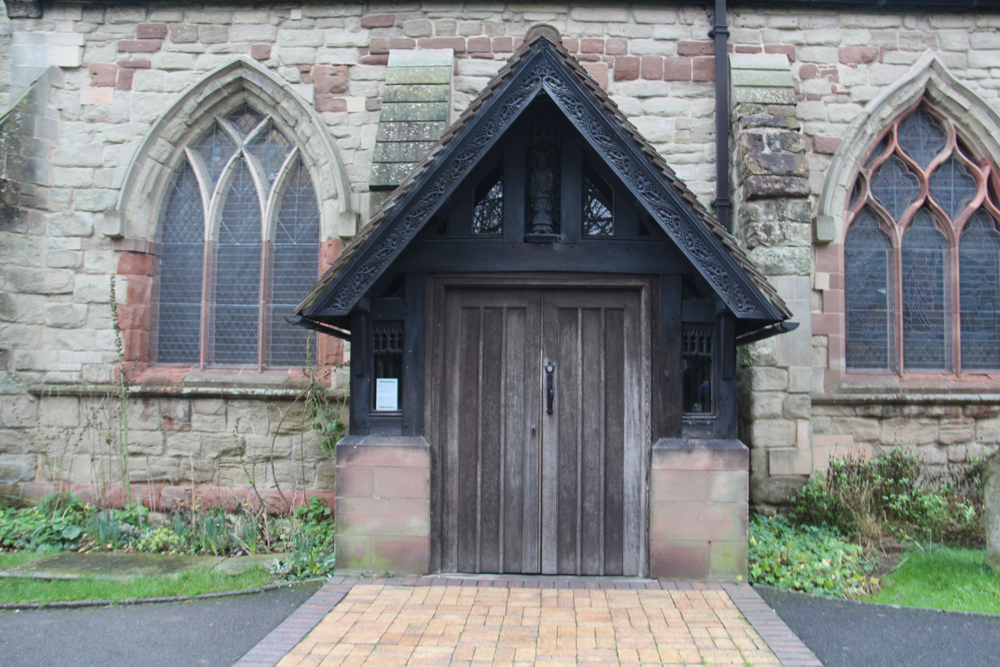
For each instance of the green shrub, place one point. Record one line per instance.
(812, 559)
(892, 498)
(312, 552)
(54, 524)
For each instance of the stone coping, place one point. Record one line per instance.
(904, 398)
(780, 639)
(261, 390)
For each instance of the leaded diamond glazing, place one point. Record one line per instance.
(926, 292)
(979, 262)
(487, 216)
(181, 257)
(294, 269)
(597, 218)
(244, 119)
(922, 137)
(270, 147)
(868, 260)
(236, 273)
(895, 186)
(953, 187)
(215, 149)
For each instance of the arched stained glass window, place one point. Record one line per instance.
(979, 261)
(181, 259)
(868, 297)
(918, 188)
(926, 295)
(263, 241)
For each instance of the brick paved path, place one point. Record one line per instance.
(378, 624)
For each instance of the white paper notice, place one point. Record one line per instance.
(386, 394)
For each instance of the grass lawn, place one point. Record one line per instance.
(943, 578)
(188, 583)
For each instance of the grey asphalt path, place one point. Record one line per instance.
(843, 633)
(213, 632)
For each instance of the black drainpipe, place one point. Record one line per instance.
(720, 32)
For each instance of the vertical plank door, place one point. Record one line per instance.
(525, 491)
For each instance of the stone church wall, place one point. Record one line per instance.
(108, 73)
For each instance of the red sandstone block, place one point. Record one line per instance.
(746, 48)
(383, 455)
(151, 31)
(139, 289)
(703, 68)
(260, 51)
(503, 45)
(828, 257)
(833, 301)
(652, 67)
(589, 57)
(825, 323)
(133, 263)
(329, 79)
(124, 81)
(679, 485)
(857, 55)
(378, 21)
(808, 71)
(383, 516)
(679, 559)
(354, 482)
(103, 75)
(591, 45)
(676, 69)
(456, 43)
(380, 59)
(378, 45)
(787, 49)
(616, 47)
(353, 552)
(572, 45)
(139, 45)
(692, 521)
(626, 68)
(701, 458)
(133, 317)
(827, 145)
(695, 48)
(135, 344)
(599, 71)
(479, 45)
(402, 554)
(330, 102)
(135, 63)
(329, 251)
(401, 482)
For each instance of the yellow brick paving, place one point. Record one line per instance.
(380, 625)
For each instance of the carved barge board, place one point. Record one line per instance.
(543, 70)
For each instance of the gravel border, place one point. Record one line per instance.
(77, 604)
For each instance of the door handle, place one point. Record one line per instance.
(550, 392)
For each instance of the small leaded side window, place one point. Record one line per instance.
(597, 206)
(696, 358)
(261, 233)
(487, 212)
(387, 358)
(921, 187)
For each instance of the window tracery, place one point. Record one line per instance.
(922, 253)
(238, 245)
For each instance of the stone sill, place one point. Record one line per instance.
(904, 398)
(178, 391)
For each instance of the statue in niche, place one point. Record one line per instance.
(541, 191)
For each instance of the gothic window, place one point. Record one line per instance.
(909, 306)
(238, 245)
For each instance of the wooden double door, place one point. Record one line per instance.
(542, 411)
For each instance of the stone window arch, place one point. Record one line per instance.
(922, 252)
(237, 246)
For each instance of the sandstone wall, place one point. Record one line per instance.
(120, 67)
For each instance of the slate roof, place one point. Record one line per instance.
(600, 95)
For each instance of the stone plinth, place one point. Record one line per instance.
(698, 509)
(383, 504)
